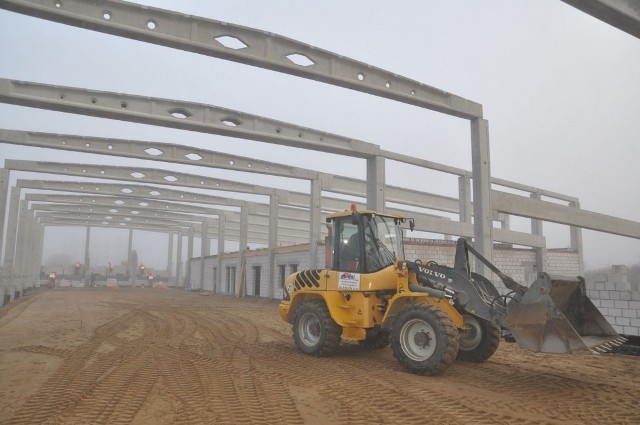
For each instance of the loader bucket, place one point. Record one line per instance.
(555, 316)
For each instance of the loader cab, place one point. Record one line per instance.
(365, 242)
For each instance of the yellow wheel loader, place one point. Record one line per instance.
(430, 314)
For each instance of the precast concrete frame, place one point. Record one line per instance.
(270, 51)
(290, 234)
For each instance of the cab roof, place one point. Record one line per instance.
(348, 213)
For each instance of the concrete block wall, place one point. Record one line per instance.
(517, 263)
(618, 302)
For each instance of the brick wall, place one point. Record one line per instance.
(612, 294)
(617, 300)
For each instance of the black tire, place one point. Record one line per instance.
(377, 339)
(314, 331)
(424, 339)
(480, 341)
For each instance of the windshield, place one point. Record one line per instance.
(368, 245)
(383, 242)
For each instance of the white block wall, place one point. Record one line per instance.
(517, 263)
(617, 300)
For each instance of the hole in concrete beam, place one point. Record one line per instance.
(153, 151)
(193, 156)
(231, 122)
(300, 59)
(231, 42)
(180, 113)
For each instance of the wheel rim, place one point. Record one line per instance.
(417, 339)
(471, 337)
(309, 329)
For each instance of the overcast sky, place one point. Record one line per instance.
(559, 88)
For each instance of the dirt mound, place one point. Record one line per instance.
(81, 355)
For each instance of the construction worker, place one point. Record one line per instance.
(150, 279)
(92, 279)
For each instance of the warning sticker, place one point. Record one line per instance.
(349, 281)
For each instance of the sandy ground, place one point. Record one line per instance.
(151, 356)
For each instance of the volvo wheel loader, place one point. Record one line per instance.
(431, 314)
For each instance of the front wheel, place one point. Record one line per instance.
(424, 339)
(479, 340)
(314, 330)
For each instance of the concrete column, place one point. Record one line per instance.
(22, 237)
(542, 259)
(481, 173)
(4, 198)
(132, 267)
(273, 242)
(221, 224)
(576, 240)
(30, 257)
(189, 256)
(170, 257)
(87, 259)
(376, 196)
(314, 225)
(12, 230)
(38, 245)
(179, 260)
(204, 249)
(241, 274)
(464, 197)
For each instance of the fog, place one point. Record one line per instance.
(559, 88)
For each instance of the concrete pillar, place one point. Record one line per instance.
(179, 260)
(542, 259)
(170, 258)
(21, 249)
(204, 249)
(38, 245)
(4, 199)
(30, 255)
(12, 230)
(481, 173)
(221, 236)
(273, 242)
(189, 256)
(376, 196)
(314, 225)
(241, 274)
(464, 197)
(87, 259)
(132, 267)
(576, 240)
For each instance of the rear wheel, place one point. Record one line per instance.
(479, 341)
(424, 339)
(314, 331)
